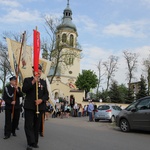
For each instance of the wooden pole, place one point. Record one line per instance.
(17, 72)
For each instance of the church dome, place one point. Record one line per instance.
(67, 20)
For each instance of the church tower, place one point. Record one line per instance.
(66, 36)
(69, 58)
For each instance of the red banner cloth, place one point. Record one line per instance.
(36, 43)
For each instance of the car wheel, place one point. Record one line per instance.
(124, 125)
(96, 120)
(112, 119)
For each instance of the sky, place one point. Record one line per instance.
(105, 27)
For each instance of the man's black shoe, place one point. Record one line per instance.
(35, 146)
(14, 134)
(29, 148)
(6, 137)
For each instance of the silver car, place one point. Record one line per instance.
(107, 112)
(135, 116)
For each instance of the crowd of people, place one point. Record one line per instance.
(64, 109)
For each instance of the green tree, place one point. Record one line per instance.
(103, 95)
(142, 88)
(123, 90)
(129, 98)
(86, 81)
(114, 93)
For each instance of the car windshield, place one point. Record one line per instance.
(103, 107)
(116, 108)
(128, 108)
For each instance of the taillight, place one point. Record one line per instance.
(109, 110)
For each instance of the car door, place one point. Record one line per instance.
(141, 117)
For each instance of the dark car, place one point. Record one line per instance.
(135, 116)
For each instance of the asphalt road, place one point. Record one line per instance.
(78, 134)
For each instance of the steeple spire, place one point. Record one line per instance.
(68, 3)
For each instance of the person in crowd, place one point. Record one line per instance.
(11, 96)
(85, 110)
(62, 108)
(75, 108)
(68, 111)
(87, 113)
(58, 110)
(90, 110)
(80, 110)
(72, 102)
(65, 109)
(33, 107)
(48, 110)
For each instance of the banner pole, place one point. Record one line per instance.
(17, 72)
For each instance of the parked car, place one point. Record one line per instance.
(135, 116)
(107, 112)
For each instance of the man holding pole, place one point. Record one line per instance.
(11, 96)
(34, 108)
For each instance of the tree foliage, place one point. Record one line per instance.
(129, 98)
(146, 64)
(123, 90)
(86, 81)
(142, 89)
(114, 93)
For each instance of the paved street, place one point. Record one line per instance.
(78, 134)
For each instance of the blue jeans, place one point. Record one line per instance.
(79, 114)
(90, 116)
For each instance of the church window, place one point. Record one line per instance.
(58, 40)
(70, 61)
(58, 37)
(64, 38)
(71, 40)
(70, 72)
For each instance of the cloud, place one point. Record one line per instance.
(87, 23)
(9, 3)
(92, 55)
(134, 29)
(15, 16)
